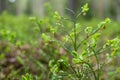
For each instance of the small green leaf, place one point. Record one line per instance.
(84, 53)
(55, 68)
(75, 54)
(72, 34)
(88, 30)
(56, 15)
(96, 36)
(27, 77)
(45, 37)
(76, 60)
(51, 63)
(84, 42)
(60, 60)
(107, 20)
(85, 8)
(101, 24)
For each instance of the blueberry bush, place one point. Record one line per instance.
(59, 47)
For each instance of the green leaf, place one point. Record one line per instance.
(51, 63)
(102, 24)
(107, 20)
(45, 37)
(88, 30)
(76, 60)
(55, 68)
(96, 36)
(27, 77)
(75, 54)
(85, 8)
(84, 52)
(72, 34)
(60, 60)
(56, 15)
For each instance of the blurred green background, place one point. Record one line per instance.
(98, 8)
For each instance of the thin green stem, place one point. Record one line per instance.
(91, 70)
(78, 15)
(75, 36)
(69, 37)
(97, 62)
(70, 11)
